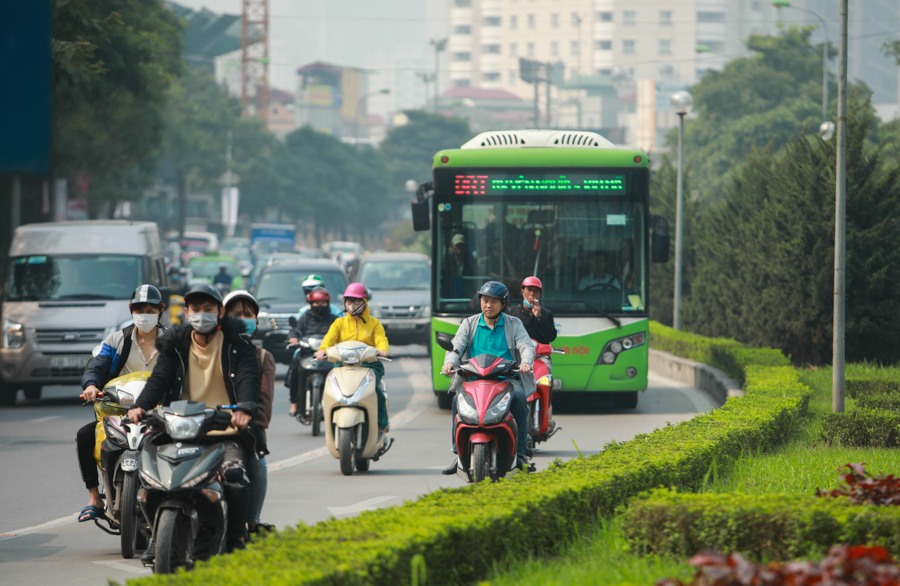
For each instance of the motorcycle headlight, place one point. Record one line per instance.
(497, 410)
(151, 482)
(199, 479)
(13, 334)
(112, 425)
(351, 355)
(179, 427)
(465, 406)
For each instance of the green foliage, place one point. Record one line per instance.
(863, 427)
(113, 63)
(766, 276)
(764, 527)
(526, 514)
(859, 388)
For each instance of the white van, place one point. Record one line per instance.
(67, 287)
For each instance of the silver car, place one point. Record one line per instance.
(400, 285)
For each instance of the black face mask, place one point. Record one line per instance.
(320, 311)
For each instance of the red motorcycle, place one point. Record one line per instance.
(540, 425)
(484, 428)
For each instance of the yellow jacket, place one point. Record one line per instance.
(364, 328)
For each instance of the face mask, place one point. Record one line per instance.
(355, 307)
(203, 323)
(321, 311)
(145, 322)
(526, 304)
(250, 325)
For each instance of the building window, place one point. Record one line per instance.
(710, 46)
(605, 71)
(628, 17)
(605, 16)
(665, 46)
(554, 48)
(604, 45)
(492, 49)
(513, 50)
(530, 21)
(462, 29)
(554, 20)
(462, 83)
(706, 17)
(665, 17)
(530, 49)
(462, 3)
(666, 70)
(491, 76)
(628, 47)
(514, 21)
(492, 21)
(574, 48)
(461, 56)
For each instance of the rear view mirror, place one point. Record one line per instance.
(420, 219)
(445, 341)
(659, 239)
(292, 321)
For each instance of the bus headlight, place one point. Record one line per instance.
(615, 347)
(13, 334)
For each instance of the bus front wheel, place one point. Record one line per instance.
(626, 399)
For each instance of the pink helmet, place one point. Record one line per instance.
(357, 291)
(532, 282)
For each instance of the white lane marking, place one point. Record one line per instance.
(366, 505)
(68, 519)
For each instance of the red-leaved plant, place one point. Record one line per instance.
(864, 488)
(845, 564)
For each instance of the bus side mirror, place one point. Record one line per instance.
(659, 240)
(420, 218)
(445, 341)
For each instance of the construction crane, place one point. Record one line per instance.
(255, 58)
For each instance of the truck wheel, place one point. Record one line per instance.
(7, 395)
(32, 392)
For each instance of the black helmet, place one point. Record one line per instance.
(496, 290)
(203, 290)
(146, 294)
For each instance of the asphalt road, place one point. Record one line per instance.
(41, 540)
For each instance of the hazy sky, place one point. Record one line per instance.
(342, 32)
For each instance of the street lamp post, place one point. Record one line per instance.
(362, 104)
(682, 102)
(439, 45)
(827, 127)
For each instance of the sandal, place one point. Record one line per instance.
(89, 513)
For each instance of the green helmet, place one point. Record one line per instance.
(311, 282)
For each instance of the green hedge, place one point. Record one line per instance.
(857, 388)
(727, 355)
(525, 514)
(768, 527)
(863, 427)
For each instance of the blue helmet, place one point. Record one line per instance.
(495, 289)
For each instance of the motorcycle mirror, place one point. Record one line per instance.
(445, 341)
(292, 321)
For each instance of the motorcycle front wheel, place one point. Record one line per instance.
(481, 462)
(345, 445)
(316, 412)
(129, 515)
(172, 542)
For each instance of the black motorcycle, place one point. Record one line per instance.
(309, 398)
(182, 493)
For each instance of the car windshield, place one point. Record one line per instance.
(209, 268)
(396, 274)
(287, 286)
(55, 277)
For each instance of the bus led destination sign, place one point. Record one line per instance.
(468, 184)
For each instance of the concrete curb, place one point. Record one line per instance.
(717, 385)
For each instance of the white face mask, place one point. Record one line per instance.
(145, 322)
(203, 323)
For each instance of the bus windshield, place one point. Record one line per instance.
(588, 251)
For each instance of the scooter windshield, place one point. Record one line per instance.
(488, 366)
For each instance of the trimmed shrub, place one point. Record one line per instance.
(873, 428)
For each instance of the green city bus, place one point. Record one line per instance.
(564, 206)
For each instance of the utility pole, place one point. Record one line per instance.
(439, 45)
(255, 57)
(840, 225)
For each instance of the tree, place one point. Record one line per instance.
(765, 252)
(113, 62)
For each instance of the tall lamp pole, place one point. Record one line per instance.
(682, 102)
(439, 45)
(826, 130)
(363, 104)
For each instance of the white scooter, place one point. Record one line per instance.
(350, 406)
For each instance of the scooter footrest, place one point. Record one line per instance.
(383, 449)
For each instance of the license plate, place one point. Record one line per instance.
(68, 361)
(402, 326)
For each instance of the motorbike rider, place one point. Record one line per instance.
(309, 284)
(537, 319)
(315, 321)
(208, 360)
(359, 325)
(499, 334)
(131, 349)
(223, 278)
(242, 305)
